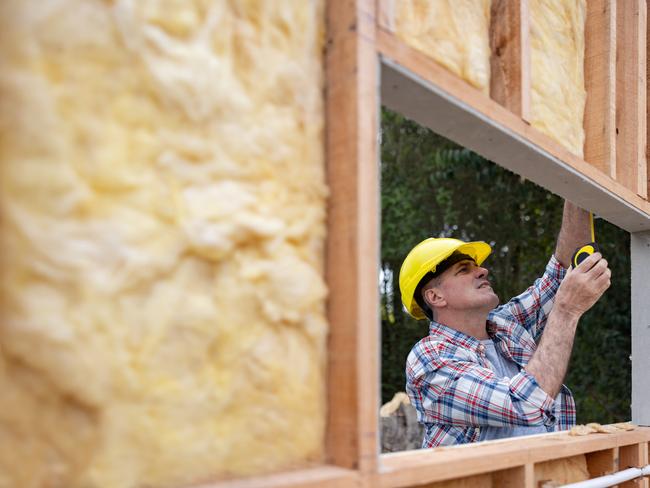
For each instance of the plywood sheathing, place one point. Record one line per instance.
(162, 198)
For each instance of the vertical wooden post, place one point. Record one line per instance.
(647, 72)
(600, 84)
(510, 55)
(519, 477)
(634, 456)
(353, 234)
(386, 14)
(631, 166)
(640, 258)
(642, 177)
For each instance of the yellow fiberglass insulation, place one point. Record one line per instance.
(162, 202)
(557, 38)
(453, 32)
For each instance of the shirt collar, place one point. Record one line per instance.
(459, 338)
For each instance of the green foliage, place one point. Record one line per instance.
(432, 187)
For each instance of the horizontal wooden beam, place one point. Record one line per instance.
(320, 477)
(416, 86)
(428, 465)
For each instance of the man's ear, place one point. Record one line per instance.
(434, 297)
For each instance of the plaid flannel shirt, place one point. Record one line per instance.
(453, 389)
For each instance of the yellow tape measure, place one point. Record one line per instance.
(583, 252)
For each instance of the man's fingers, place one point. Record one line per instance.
(589, 262)
(603, 287)
(598, 269)
(605, 277)
(602, 282)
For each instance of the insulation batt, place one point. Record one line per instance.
(456, 34)
(162, 204)
(557, 38)
(453, 32)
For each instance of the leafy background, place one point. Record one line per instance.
(433, 187)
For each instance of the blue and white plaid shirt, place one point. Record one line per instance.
(453, 389)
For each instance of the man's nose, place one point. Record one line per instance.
(481, 272)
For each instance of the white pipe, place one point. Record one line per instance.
(612, 479)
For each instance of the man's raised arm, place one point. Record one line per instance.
(579, 291)
(574, 232)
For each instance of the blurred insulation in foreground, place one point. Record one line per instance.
(162, 203)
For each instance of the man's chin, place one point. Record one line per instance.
(489, 301)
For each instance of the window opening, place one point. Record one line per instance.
(433, 187)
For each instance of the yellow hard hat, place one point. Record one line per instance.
(425, 257)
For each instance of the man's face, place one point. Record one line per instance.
(465, 286)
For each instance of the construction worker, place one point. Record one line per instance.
(489, 371)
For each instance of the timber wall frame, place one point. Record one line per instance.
(367, 65)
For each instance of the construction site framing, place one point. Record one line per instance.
(367, 65)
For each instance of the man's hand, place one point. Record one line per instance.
(583, 286)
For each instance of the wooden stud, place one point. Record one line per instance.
(647, 72)
(510, 56)
(634, 456)
(631, 165)
(386, 14)
(642, 177)
(561, 471)
(600, 84)
(529, 476)
(480, 481)
(421, 89)
(600, 463)
(352, 253)
(518, 477)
